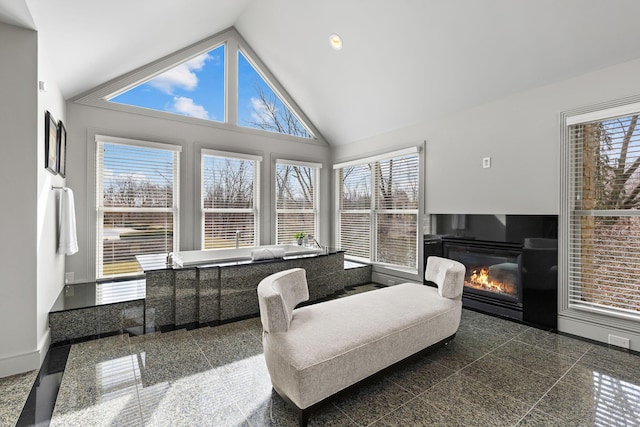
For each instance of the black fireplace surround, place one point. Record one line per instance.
(515, 279)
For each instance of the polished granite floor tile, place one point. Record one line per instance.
(617, 361)
(586, 406)
(510, 379)
(200, 399)
(373, 400)
(417, 413)
(456, 356)
(248, 382)
(419, 375)
(545, 362)
(119, 411)
(273, 411)
(481, 339)
(468, 401)
(92, 354)
(167, 359)
(222, 347)
(583, 375)
(603, 391)
(496, 325)
(107, 389)
(14, 391)
(493, 373)
(557, 343)
(536, 418)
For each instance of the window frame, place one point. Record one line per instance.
(276, 88)
(374, 211)
(316, 195)
(101, 210)
(234, 43)
(583, 320)
(256, 211)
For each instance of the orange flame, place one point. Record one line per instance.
(479, 279)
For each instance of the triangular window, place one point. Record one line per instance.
(219, 80)
(260, 107)
(194, 88)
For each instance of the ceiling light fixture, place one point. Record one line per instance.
(336, 41)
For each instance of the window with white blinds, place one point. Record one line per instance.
(378, 209)
(603, 216)
(229, 188)
(296, 199)
(137, 203)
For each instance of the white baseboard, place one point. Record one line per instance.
(43, 345)
(596, 332)
(25, 362)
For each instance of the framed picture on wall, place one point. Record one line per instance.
(61, 150)
(50, 143)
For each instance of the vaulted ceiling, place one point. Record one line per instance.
(403, 61)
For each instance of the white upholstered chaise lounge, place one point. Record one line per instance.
(316, 351)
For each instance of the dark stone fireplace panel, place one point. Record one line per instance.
(522, 280)
(515, 256)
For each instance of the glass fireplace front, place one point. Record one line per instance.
(493, 269)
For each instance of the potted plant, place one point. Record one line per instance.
(299, 236)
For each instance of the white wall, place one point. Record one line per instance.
(32, 270)
(521, 134)
(18, 163)
(87, 121)
(51, 265)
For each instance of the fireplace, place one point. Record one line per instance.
(511, 261)
(493, 280)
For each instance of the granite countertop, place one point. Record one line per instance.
(83, 295)
(156, 262)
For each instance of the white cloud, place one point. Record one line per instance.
(180, 77)
(186, 106)
(259, 113)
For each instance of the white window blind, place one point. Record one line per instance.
(137, 203)
(603, 217)
(354, 211)
(229, 199)
(378, 209)
(296, 199)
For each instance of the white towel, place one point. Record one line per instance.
(68, 240)
(267, 253)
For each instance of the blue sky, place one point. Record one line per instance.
(196, 88)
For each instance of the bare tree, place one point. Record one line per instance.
(272, 115)
(612, 179)
(294, 186)
(229, 186)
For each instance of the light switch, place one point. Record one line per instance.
(486, 162)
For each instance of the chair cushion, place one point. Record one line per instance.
(447, 274)
(278, 295)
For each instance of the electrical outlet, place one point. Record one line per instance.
(69, 291)
(619, 341)
(68, 277)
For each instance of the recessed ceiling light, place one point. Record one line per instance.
(336, 41)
